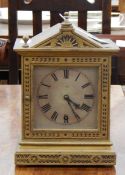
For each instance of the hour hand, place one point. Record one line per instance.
(66, 97)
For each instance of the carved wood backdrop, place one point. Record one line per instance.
(3, 3)
(122, 6)
(55, 7)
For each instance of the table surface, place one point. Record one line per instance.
(10, 131)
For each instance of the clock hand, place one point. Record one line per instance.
(83, 107)
(69, 103)
(66, 97)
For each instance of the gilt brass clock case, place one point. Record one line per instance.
(65, 100)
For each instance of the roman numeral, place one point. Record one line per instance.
(54, 116)
(85, 85)
(54, 77)
(88, 96)
(66, 119)
(46, 108)
(66, 73)
(43, 96)
(85, 107)
(45, 85)
(77, 76)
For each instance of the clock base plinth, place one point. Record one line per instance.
(63, 155)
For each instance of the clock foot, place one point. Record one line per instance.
(79, 155)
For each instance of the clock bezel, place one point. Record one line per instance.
(103, 94)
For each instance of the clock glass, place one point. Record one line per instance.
(65, 97)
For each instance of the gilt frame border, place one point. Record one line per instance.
(102, 62)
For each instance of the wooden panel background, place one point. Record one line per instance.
(55, 7)
(3, 3)
(122, 6)
(61, 5)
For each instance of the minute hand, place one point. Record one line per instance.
(75, 114)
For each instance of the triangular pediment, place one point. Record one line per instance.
(66, 40)
(60, 37)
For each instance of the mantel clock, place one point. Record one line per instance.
(65, 98)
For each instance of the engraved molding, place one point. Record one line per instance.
(65, 159)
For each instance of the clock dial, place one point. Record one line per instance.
(65, 96)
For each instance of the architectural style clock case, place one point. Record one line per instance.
(65, 98)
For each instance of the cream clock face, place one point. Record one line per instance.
(65, 97)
